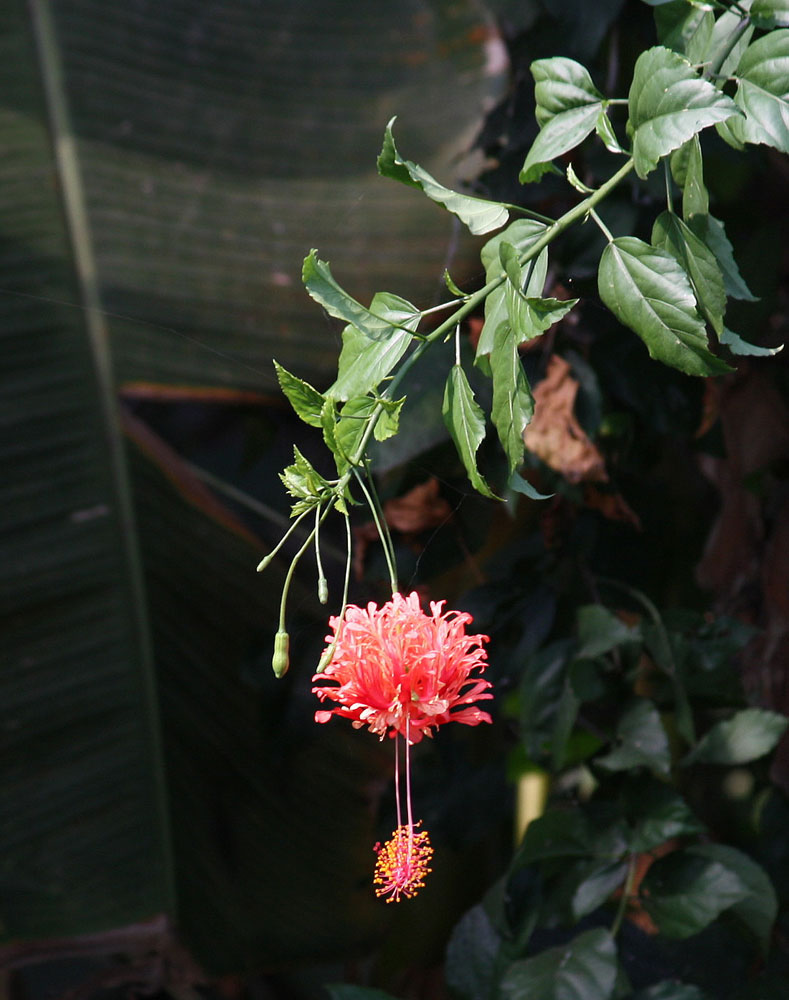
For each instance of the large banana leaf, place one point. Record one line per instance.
(165, 168)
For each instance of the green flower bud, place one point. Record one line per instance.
(281, 659)
(323, 590)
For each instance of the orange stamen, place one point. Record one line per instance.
(403, 863)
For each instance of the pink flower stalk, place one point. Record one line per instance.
(402, 672)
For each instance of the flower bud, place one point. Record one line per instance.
(281, 659)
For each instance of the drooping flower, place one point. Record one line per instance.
(395, 667)
(402, 672)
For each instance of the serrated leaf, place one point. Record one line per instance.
(647, 290)
(561, 84)
(365, 360)
(521, 234)
(479, 215)
(746, 736)
(529, 316)
(329, 426)
(559, 135)
(465, 422)
(350, 426)
(306, 401)
(758, 908)
(685, 891)
(513, 405)
(697, 261)
(322, 287)
(768, 14)
(712, 232)
(669, 103)
(583, 969)
(388, 422)
(302, 481)
(641, 741)
(763, 91)
(737, 345)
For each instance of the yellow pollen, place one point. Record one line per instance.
(403, 863)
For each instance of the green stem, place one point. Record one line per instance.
(325, 660)
(381, 527)
(292, 568)
(601, 225)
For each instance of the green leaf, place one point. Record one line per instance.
(349, 428)
(641, 741)
(670, 989)
(583, 969)
(322, 287)
(479, 215)
(669, 103)
(685, 891)
(647, 290)
(560, 134)
(597, 885)
(737, 345)
(697, 261)
(695, 199)
(606, 134)
(661, 814)
(522, 234)
(471, 955)
(513, 404)
(388, 424)
(465, 422)
(599, 631)
(521, 485)
(759, 907)
(303, 482)
(306, 401)
(568, 106)
(529, 316)
(763, 91)
(711, 231)
(560, 85)
(768, 14)
(508, 256)
(366, 359)
(746, 736)
(569, 833)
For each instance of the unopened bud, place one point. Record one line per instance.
(281, 659)
(323, 590)
(325, 659)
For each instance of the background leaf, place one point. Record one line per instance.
(584, 968)
(641, 741)
(746, 736)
